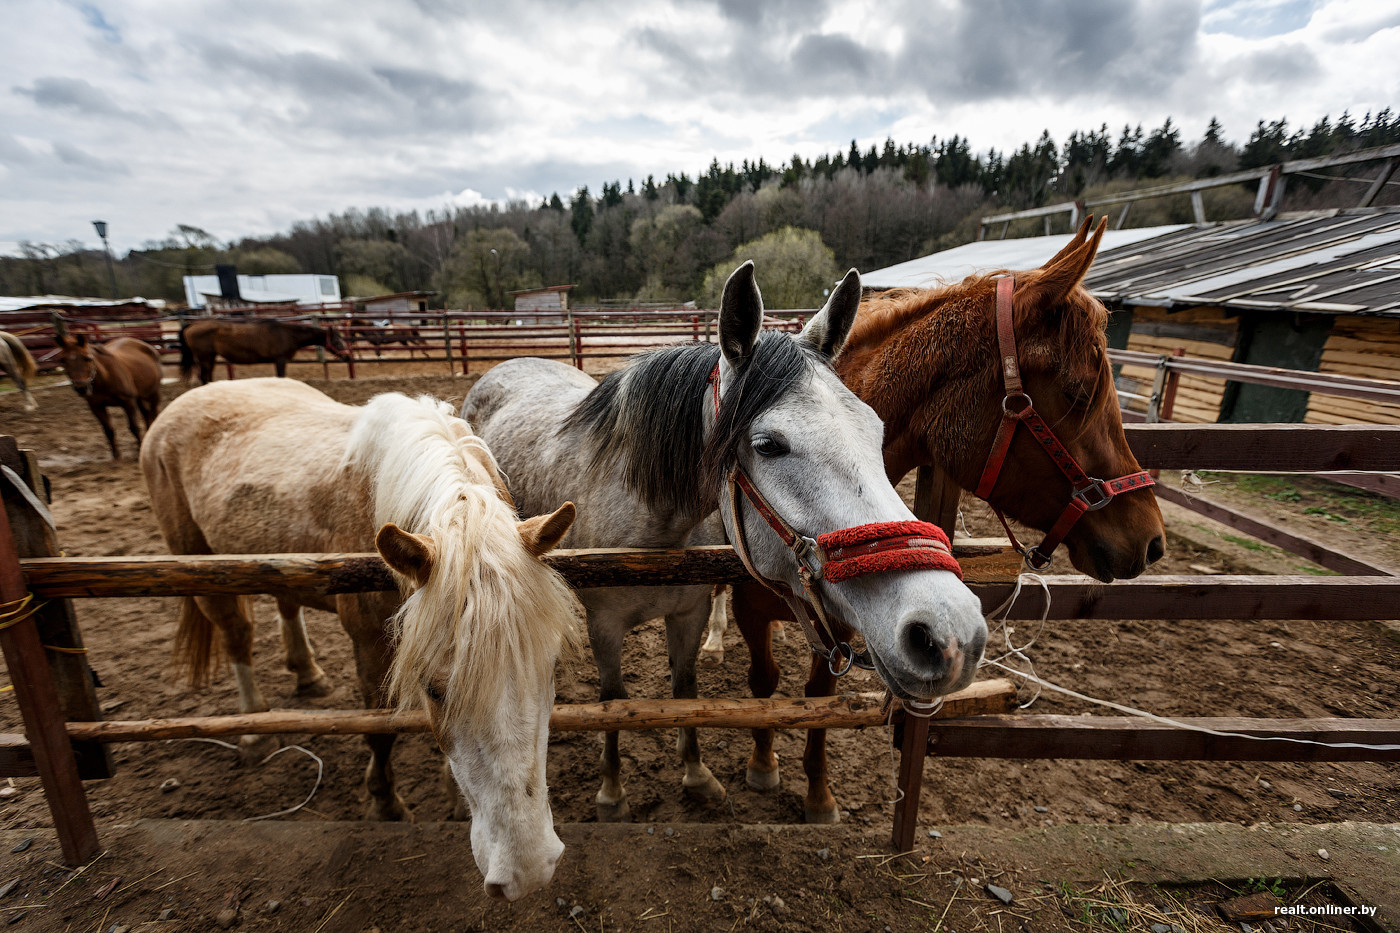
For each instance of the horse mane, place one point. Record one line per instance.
(1078, 337)
(647, 419)
(511, 614)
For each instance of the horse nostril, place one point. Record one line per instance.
(921, 643)
(1155, 549)
(496, 890)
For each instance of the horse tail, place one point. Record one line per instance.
(186, 357)
(23, 360)
(196, 651)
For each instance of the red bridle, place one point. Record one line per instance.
(1089, 494)
(834, 556)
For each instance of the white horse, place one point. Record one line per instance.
(19, 365)
(647, 454)
(272, 465)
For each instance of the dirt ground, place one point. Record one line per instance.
(1218, 668)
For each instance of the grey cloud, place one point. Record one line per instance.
(1288, 64)
(71, 155)
(825, 57)
(82, 97)
(355, 98)
(778, 14)
(1360, 31)
(13, 152)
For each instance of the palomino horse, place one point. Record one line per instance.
(124, 372)
(263, 465)
(16, 362)
(258, 341)
(929, 363)
(665, 441)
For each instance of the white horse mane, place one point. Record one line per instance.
(512, 613)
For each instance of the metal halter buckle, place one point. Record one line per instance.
(842, 649)
(808, 555)
(1020, 412)
(1034, 559)
(1096, 487)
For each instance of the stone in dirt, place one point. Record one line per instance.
(934, 834)
(226, 918)
(999, 893)
(1257, 906)
(21, 846)
(716, 893)
(8, 887)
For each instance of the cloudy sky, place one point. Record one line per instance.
(241, 116)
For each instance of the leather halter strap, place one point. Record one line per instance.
(836, 556)
(1089, 494)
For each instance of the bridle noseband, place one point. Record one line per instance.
(834, 556)
(1089, 494)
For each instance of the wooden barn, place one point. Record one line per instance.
(398, 302)
(553, 298)
(1318, 291)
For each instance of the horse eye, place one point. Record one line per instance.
(434, 692)
(769, 446)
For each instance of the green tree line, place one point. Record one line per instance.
(664, 240)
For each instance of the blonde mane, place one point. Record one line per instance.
(491, 608)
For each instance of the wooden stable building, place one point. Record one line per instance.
(552, 298)
(1318, 291)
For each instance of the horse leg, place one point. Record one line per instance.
(100, 413)
(751, 612)
(607, 653)
(301, 659)
(712, 651)
(129, 407)
(683, 631)
(280, 364)
(233, 616)
(820, 806)
(206, 370)
(364, 620)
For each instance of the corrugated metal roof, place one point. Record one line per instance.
(1332, 262)
(22, 302)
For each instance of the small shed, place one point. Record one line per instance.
(552, 298)
(1316, 291)
(399, 302)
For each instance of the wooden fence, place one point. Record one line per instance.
(66, 736)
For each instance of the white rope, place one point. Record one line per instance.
(1018, 653)
(320, 772)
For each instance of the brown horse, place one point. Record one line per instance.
(124, 372)
(16, 362)
(928, 362)
(257, 341)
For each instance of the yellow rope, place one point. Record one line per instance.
(17, 610)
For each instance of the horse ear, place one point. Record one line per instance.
(541, 533)
(409, 554)
(1075, 242)
(1058, 278)
(826, 332)
(80, 340)
(740, 315)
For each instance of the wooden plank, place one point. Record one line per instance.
(16, 757)
(851, 711)
(38, 704)
(56, 622)
(1174, 597)
(1316, 551)
(214, 575)
(1130, 738)
(1265, 448)
(1385, 484)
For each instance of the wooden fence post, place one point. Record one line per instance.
(447, 344)
(39, 702)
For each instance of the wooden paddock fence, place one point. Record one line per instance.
(66, 740)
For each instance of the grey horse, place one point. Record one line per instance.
(646, 455)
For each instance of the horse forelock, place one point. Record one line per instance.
(490, 610)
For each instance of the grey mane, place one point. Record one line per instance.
(647, 419)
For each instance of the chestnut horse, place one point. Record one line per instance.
(16, 362)
(257, 341)
(123, 372)
(928, 362)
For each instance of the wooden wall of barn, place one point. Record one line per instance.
(1358, 346)
(1202, 332)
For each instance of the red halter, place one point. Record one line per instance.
(1089, 494)
(835, 556)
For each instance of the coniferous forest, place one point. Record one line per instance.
(673, 239)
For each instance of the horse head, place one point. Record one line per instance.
(784, 422)
(76, 357)
(336, 343)
(1061, 354)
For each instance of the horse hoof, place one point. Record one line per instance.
(707, 791)
(821, 817)
(711, 657)
(320, 687)
(615, 812)
(393, 810)
(779, 634)
(252, 749)
(762, 780)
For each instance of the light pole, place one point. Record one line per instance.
(101, 226)
(500, 288)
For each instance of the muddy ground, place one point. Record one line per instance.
(1219, 668)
